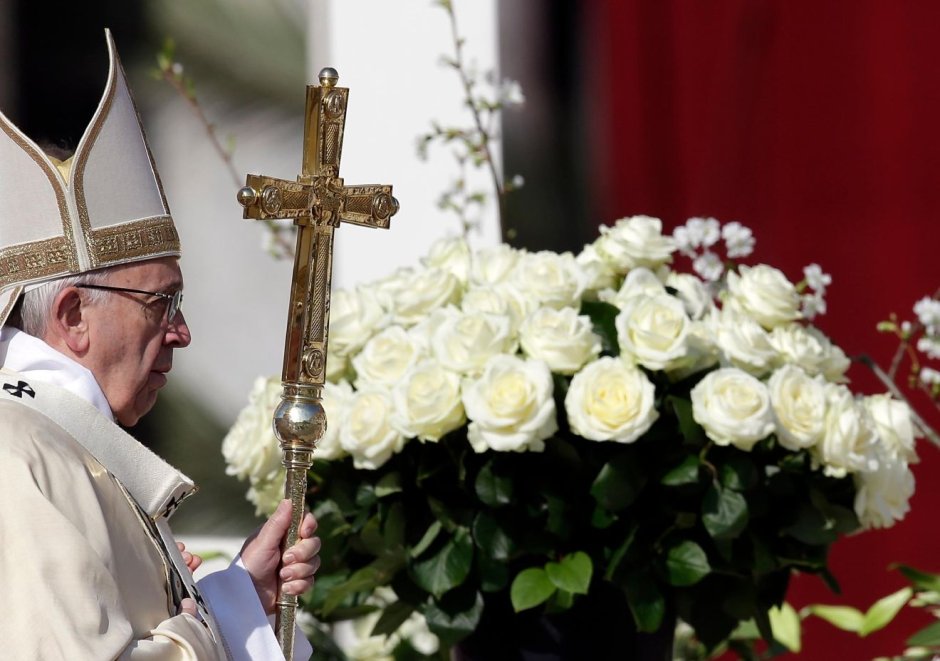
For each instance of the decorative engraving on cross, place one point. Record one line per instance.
(318, 202)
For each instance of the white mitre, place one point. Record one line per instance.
(107, 209)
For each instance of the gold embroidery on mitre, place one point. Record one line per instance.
(35, 260)
(134, 241)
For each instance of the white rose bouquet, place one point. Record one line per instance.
(514, 429)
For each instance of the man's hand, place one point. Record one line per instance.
(261, 556)
(191, 559)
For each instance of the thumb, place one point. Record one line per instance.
(274, 529)
(188, 606)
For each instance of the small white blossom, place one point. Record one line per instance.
(739, 240)
(815, 277)
(930, 377)
(696, 233)
(709, 266)
(812, 305)
(510, 93)
(928, 313)
(929, 346)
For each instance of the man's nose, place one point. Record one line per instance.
(177, 331)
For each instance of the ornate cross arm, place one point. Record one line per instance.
(318, 202)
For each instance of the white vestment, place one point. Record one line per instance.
(88, 565)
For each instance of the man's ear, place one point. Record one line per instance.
(67, 326)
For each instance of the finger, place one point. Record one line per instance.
(297, 587)
(298, 571)
(181, 546)
(302, 551)
(194, 563)
(308, 526)
(188, 606)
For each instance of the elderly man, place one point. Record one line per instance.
(90, 294)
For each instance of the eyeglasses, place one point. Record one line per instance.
(175, 300)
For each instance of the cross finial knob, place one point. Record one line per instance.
(328, 77)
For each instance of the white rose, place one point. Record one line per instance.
(450, 254)
(250, 448)
(427, 402)
(799, 404)
(883, 496)
(387, 356)
(849, 443)
(653, 331)
(412, 297)
(892, 420)
(367, 432)
(763, 293)
(335, 398)
(561, 338)
(701, 352)
(733, 407)
(267, 493)
(492, 266)
(337, 367)
(634, 242)
(598, 272)
(355, 316)
(640, 282)
(549, 279)
(464, 341)
(610, 400)
(743, 342)
(510, 406)
(695, 296)
(797, 345)
(501, 300)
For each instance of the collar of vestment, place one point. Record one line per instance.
(157, 487)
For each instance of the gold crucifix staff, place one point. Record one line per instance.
(318, 201)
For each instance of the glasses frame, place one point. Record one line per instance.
(174, 300)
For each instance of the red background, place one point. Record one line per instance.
(815, 124)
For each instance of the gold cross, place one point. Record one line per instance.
(318, 201)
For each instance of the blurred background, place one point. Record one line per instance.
(813, 123)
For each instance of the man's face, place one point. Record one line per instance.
(131, 341)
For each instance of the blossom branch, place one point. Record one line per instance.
(171, 71)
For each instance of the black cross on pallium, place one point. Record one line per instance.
(172, 505)
(19, 389)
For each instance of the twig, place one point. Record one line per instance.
(892, 387)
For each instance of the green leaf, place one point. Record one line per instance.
(530, 588)
(686, 564)
(724, 513)
(884, 610)
(379, 572)
(388, 484)
(929, 636)
(429, 536)
(602, 317)
(737, 472)
(490, 536)
(922, 581)
(494, 490)
(447, 568)
(573, 573)
(842, 617)
(393, 616)
(613, 565)
(393, 529)
(494, 574)
(618, 483)
(646, 602)
(453, 620)
(691, 431)
(786, 627)
(685, 473)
